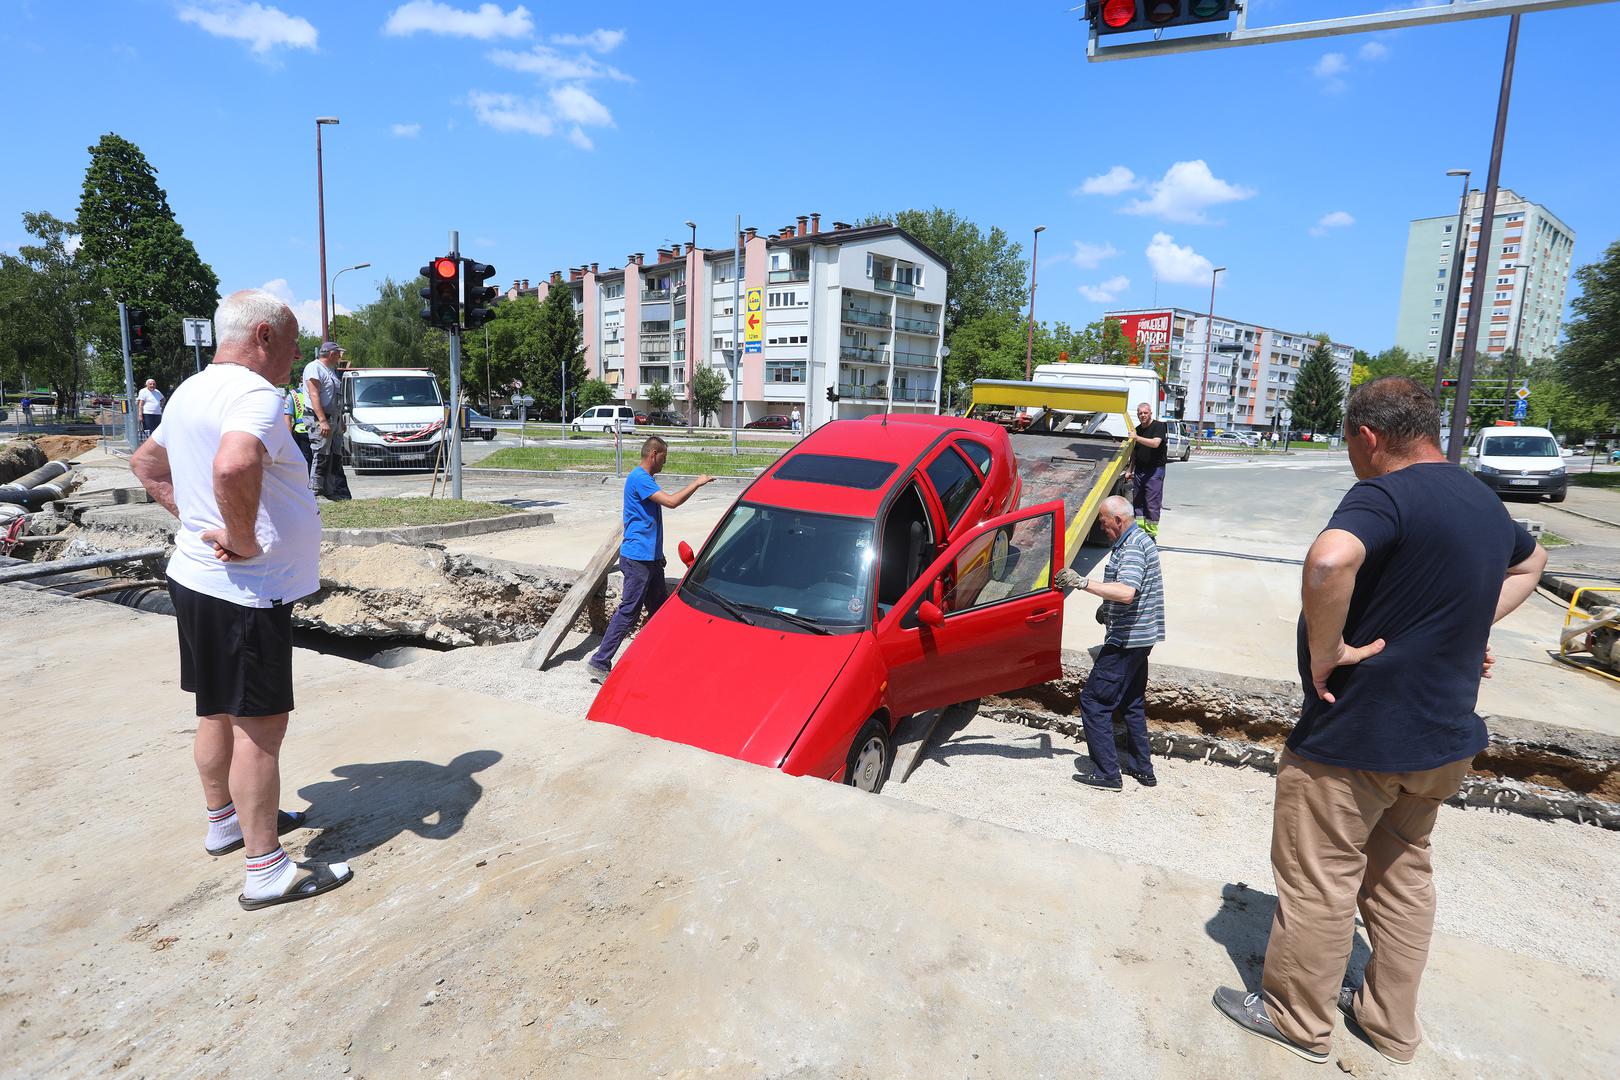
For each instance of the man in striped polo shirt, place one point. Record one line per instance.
(1132, 592)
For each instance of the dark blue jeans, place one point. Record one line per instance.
(643, 586)
(1147, 493)
(1117, 684)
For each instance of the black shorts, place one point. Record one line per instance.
(237, 660)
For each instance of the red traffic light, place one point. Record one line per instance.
(1448, 383)
(444, 268)
(1118, 13)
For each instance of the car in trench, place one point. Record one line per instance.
(879, 569)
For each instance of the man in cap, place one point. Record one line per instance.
(323, 389)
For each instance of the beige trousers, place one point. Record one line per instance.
(1343, 839)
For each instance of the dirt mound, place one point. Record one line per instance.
(18, 457)
(66, 447)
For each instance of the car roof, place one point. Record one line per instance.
(900, 442)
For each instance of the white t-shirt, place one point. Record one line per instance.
(151, 401)
(219, 399)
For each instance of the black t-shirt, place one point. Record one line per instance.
(1439, 544)
(1145, 459)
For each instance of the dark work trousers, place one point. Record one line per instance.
(326, 468)
(302, 439)
(643, 586)
(1117, 684)
(1147, 493)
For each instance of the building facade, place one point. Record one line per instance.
(858, 311)
(1529, 275)
(1250, 373)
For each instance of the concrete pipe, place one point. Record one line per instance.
(48, 471)
(38, 496)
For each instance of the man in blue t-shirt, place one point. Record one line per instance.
(1400, 592)
(641, 555)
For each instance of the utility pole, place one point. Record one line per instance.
(455, 386)
(1459, 256)
(736, 334)
(129, 377)
(1209, 340)
(1029, 343)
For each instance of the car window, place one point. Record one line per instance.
(978, 453)
(1003, 564)
(1520, 446)
(954, 482)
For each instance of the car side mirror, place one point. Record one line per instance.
(929, 614)
(1473, 451)
(686, 554)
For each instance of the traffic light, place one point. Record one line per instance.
(1448, 383)
(1127, 16)
(832, 395)
(442, 293)
(474, 311)
(139, 342)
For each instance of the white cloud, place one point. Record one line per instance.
(74, 242)
(1090, 256)
(407, 131)
(508, 112)
(1113, 182)
(485, 22)
(601, 41)
(578, 137)
(1338, 219)
(1373, 50)
(1187, 189)
(307, 311)
(1330, 72)
(1106, 292)
(573, 104)
(550, 64)
(264, 28)
(1175, 264)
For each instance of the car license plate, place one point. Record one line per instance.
(1528, 481)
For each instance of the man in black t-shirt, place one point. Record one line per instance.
(1400, 592)
(1147, 468)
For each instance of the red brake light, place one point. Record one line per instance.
(445, 268)
(1117, 13)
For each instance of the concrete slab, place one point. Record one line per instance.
(540, 896)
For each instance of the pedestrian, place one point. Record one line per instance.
(1148, 459)
(248, 546)
(797, 419)
(297, 412)
(1416, 564)
(150, 403)
(641, 554)
(323, 388)
(1132, 594)
(27, 407)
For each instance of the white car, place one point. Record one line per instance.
(604, 417)
(1519, 461)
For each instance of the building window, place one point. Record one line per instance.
(1435, 332)
(1445, 243)
(1442, 272)
(1439, 303)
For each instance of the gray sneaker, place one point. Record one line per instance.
(1347, 1005)
(1248, 1011)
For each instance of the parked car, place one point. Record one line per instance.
(604, 418)
(771, 422)
(667, 418)
(1177, 445)
(1519, 461)
(1230, 439)
(479, 426)
(876, 570)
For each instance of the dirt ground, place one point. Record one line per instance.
(66, 447)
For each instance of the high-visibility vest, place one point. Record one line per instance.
(299, 408)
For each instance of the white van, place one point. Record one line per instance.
(1141, 386)
(604, 417)
(1519, 461)
(392, 418)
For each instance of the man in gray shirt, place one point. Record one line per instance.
(323, 387)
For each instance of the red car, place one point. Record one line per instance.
(875, 571)
(772, 422)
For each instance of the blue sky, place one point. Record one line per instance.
(587, 132)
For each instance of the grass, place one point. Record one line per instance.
(684, 462)
(389, 513)
(1552, 539)
(1595, 479)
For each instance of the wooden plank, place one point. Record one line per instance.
(579, 594)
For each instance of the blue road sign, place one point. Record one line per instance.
(1521, 409)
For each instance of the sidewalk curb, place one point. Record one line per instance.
(449, 530)
(593, 477)
(1588, 517)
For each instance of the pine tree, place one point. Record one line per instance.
(135, 251)
(1318, 398)
(557, 341)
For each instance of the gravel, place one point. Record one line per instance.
(564, 688)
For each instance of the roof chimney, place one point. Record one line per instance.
(593, 268)
(787, 232)
(750, 232)
(815, 224)
(525, 283)
(803, 219)
(840, 226)
(575, 273)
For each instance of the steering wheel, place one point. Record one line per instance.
(840, 577)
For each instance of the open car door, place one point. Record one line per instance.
(985, 618)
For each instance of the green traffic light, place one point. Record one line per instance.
(1204, 9)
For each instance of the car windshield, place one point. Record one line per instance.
(397, 390)
(1520, 446)
(773, 560)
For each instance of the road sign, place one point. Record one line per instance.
(753, 322)
(199, 332)
(1521, 409)
(1522, 392)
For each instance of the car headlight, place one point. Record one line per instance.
(1486, 470)
(367, 428)
(1557, 472)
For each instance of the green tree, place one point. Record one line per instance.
(134, 250)
(1589, 362)
(514, 345)
(45, 298)
(592, 392)
(706, 390)
(389, 332)
(1397, 361)
(1318, 397)
(657, 395)
(558, 341)
(991, 347)
(986, 271)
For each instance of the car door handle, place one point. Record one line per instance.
(1040, 617)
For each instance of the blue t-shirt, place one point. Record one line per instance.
(1439, 544)
(643, 518)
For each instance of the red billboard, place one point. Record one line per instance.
(1150, 331)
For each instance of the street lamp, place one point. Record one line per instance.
(1209, 339)
(1029, 345)
(691, 320)
(320, 208)
(340, 273)
(1459, 256)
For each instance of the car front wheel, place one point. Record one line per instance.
(870, 757)
(1558, 496)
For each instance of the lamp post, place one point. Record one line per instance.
(1459, 255)
(1029, 344)
(1209, 340)
(320, 208)
(691, 320)
(340, 273)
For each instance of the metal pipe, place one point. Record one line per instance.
(1459, 255)
(1029, 337)
(86, 562)
(48, 471)
(41, 494)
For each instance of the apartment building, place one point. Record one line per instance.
(858, 311)
(1529, 267)
(1251, 368)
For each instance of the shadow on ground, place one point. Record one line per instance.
(372, 803)
(1243, 924)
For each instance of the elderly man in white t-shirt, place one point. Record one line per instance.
(150, 402)
(224, 463)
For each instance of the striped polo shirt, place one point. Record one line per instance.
(1134, 560)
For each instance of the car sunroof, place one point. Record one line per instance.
(863, 473)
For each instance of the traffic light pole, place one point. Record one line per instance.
(129, 378)
(736, 334)
(454, 421)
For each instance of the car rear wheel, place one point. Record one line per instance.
(870, 756)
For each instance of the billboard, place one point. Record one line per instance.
(1150, 331)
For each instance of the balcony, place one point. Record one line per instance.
(862, 317)
(914, 360)
(916, 326)
(655, 347)
(797, 273)
(862, 354)
(654, 295)
(876, 391)
(914, 393)
(901, 288)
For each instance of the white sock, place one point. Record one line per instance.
(269, 875)
(223, 827)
